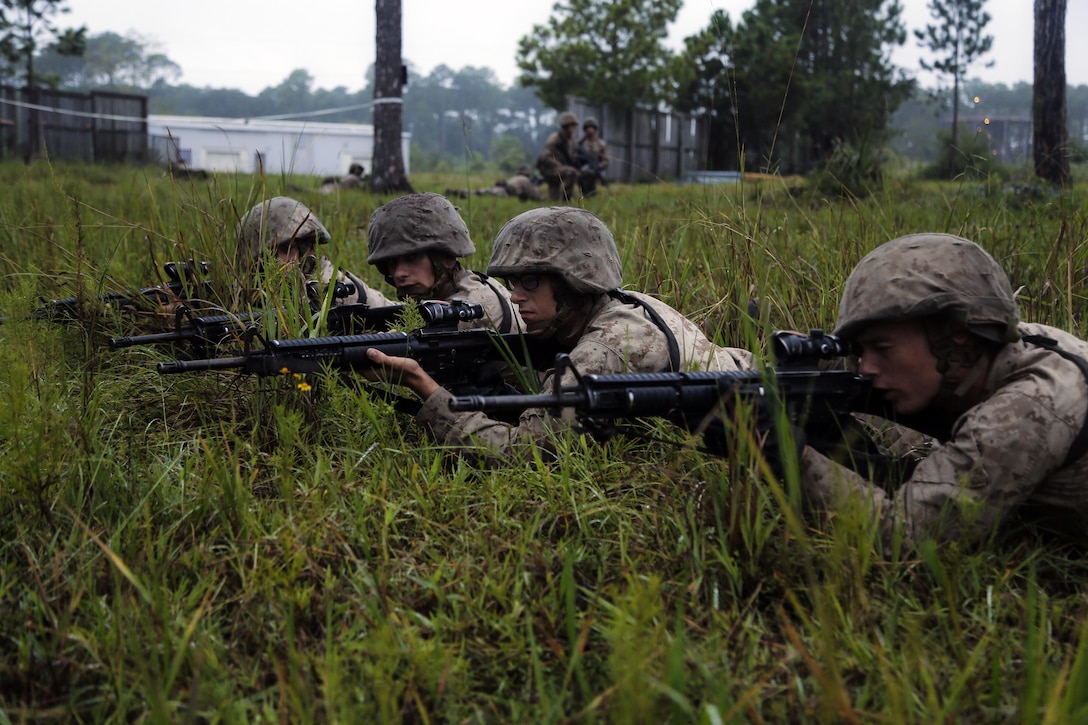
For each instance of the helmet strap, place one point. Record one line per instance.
(960, 364)
(443, 275)
(571, 311)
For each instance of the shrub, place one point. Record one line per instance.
(853, 169)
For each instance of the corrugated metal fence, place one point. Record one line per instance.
(647, 145)
(98, 126)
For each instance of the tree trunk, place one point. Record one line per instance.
(954, 141)
(1051, 140)
(388, 172)
(34, 120)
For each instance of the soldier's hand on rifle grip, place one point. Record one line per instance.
(400, 371)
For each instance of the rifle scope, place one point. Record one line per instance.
(439, 314)
(793, 347)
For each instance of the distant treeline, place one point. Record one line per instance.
(453, 115)
(467, 117)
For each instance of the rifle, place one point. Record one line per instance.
(185, 281)
(209, 331)
(588, 162)
(456, 359)
(819, 401)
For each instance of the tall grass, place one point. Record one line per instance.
(206, 547)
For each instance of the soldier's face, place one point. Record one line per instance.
(590, 131)
(295, 250)
(413, 275)
(897, 358)
(535, 298)
(568, 130)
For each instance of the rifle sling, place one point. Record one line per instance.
(655, 317)
(1080, 443)
(507, 311)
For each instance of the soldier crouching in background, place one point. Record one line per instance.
(557, 162)
(592, 158)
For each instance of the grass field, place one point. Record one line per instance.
(213, 548)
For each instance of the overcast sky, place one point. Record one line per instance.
(253, 44)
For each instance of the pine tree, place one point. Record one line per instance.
(1049, 112)
(958, 40)
(388, 173)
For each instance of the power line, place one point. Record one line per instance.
(70, 112)
(139, 119)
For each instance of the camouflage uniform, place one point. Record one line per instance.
(557, 161)
(616, 336)
(1006, 456)
(356, 178)
(519, 185)
(596, 149)
(282, 219)
(429, 223)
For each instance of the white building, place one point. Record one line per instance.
(245, 145)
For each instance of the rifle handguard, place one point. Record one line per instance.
(185, 366)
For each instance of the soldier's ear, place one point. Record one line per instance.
(441, 259)
(961, 335)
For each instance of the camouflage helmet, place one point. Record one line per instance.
(591, 121)
(278, 220)
(523, 170)
(572, 243)
(566, 118)
(417, 223)
(922, 275)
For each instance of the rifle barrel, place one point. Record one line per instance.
(184, 366)
(183, 333)
(514, 402)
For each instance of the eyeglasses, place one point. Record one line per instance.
(527, 282)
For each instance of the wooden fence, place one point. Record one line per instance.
(99, 126)
(648, 145)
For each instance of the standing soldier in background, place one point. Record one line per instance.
(416, 240)
(288, 228)
(592, 158)
(557, 162)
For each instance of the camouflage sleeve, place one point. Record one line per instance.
(966, 487)
(735, 358)
(548, 161)
(552, 161)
